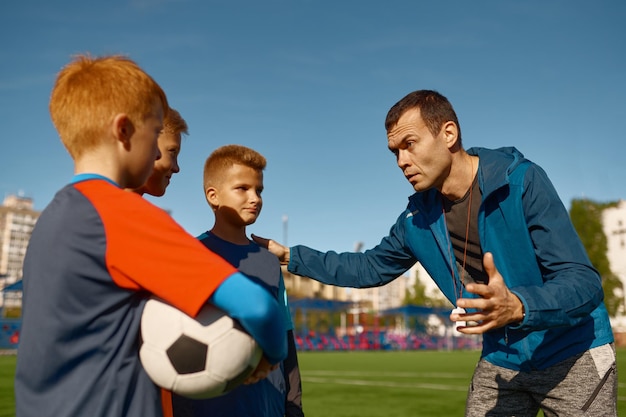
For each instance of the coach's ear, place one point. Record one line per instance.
(212, 197)
(450, 132)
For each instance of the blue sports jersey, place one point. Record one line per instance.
(267, 397)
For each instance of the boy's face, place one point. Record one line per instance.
(164, 167)
(238, 197)
(144, 149)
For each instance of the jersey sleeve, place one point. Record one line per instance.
(148, 251)
(263, 318)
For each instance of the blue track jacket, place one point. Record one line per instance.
(536, 249)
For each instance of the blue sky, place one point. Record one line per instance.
(308, 84)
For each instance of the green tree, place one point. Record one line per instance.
(586, 216)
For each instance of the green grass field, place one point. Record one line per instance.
(364, 384)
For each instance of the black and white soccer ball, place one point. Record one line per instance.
(201, 357)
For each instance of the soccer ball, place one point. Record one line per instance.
(200, 357)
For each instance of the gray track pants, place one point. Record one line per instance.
(584, 385)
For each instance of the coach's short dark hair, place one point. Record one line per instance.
(435, 110)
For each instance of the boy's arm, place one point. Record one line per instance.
(257, 311)
(291, 370)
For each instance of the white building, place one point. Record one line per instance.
(614, 224)
(382, 298)
(17, 219)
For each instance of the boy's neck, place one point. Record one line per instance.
(230, 233)
(99, 162)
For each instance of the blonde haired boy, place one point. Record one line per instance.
(233, 184)
(169, 142)
(97, 252)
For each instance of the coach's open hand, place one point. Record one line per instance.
(497, 305)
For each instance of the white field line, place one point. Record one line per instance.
(388, 374)
(314, 377)
(345, 378)
(390, 384)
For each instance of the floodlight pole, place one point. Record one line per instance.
(285, 226)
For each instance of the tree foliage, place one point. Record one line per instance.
(586, 216)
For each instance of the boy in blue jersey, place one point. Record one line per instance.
(490, 229)
(98, 251)
(233, 183)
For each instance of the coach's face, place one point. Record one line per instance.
(424, 159)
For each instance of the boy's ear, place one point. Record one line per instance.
(123, 129)
(212, 197)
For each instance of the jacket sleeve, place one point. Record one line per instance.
(374, 267)
(572, 288)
